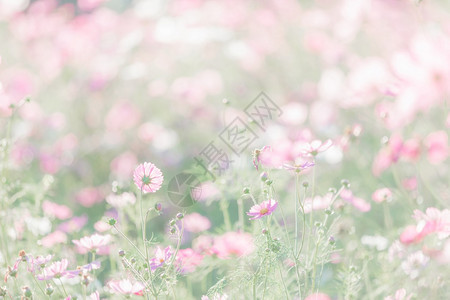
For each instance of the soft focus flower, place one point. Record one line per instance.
(195, 222)
(161, 257)
(264, 209)
(54, 238)
(233, 244)
(318, 296)
(359, 203)
(74, 224)
(89, 196)
(148, 178)
(122, 200)
(93, 242)
(55, 210)
(414, 263)
(399, 295)
(188, 260)
(126, 287)
(316, 147)
(381, 195)
(318, 203)
(299, 167)
(437, 146)
(55, 270)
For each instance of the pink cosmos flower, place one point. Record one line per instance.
(122, 200)
(195, 222)
(233, 244)
(318, 203)
(148, 178)
(316, 147)
(268, 157)
(381, 195)
(94, 296)
(125, 287)
(55, 210)
(56, 270)
(437, 145)
(161, 257)
(299, 167)
(74, 224)
(318, 296)
(399, 295)
(358, 203)
(89, 196)
(54, 238)
(264, 209)
(188, 260)
(93, 242)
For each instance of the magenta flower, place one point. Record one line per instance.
(125, 287)
(148, 178)
(161, 257)
(263, 209)
(56, 270)
(93, 242)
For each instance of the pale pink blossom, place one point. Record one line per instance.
(55, 270)
(123, 165)
(399, 295)
(54, 238)
(126, 287)
(315, 147)
(195, 222)
(264, 209)
(188, 260)
(93, 242)
(161, 257)
(437, 147)
(148, 178)
(359, 203)
(121, 200)
(318, 203)
(382, 195)
(233, 244)
(74, 224)
(55, 210)
(89, 196)
(318, 296)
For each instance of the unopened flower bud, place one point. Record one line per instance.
(264, 231)
(172, 222)
(305, 184)
(345, 183)
(180, 216)
(269, 181)
(158, 207)
(331, 240)
(246, 191)
(121, 253)
(133, 260)
(264, 176)
(332, 190)
(3, 291)
(173, 230)
(112, 221)
(27, 292)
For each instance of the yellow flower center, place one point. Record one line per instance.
(264, 211)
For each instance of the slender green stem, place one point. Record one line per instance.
(130, 242)
(226, 215)
(64, 289)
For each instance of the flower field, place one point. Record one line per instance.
(194, 149)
